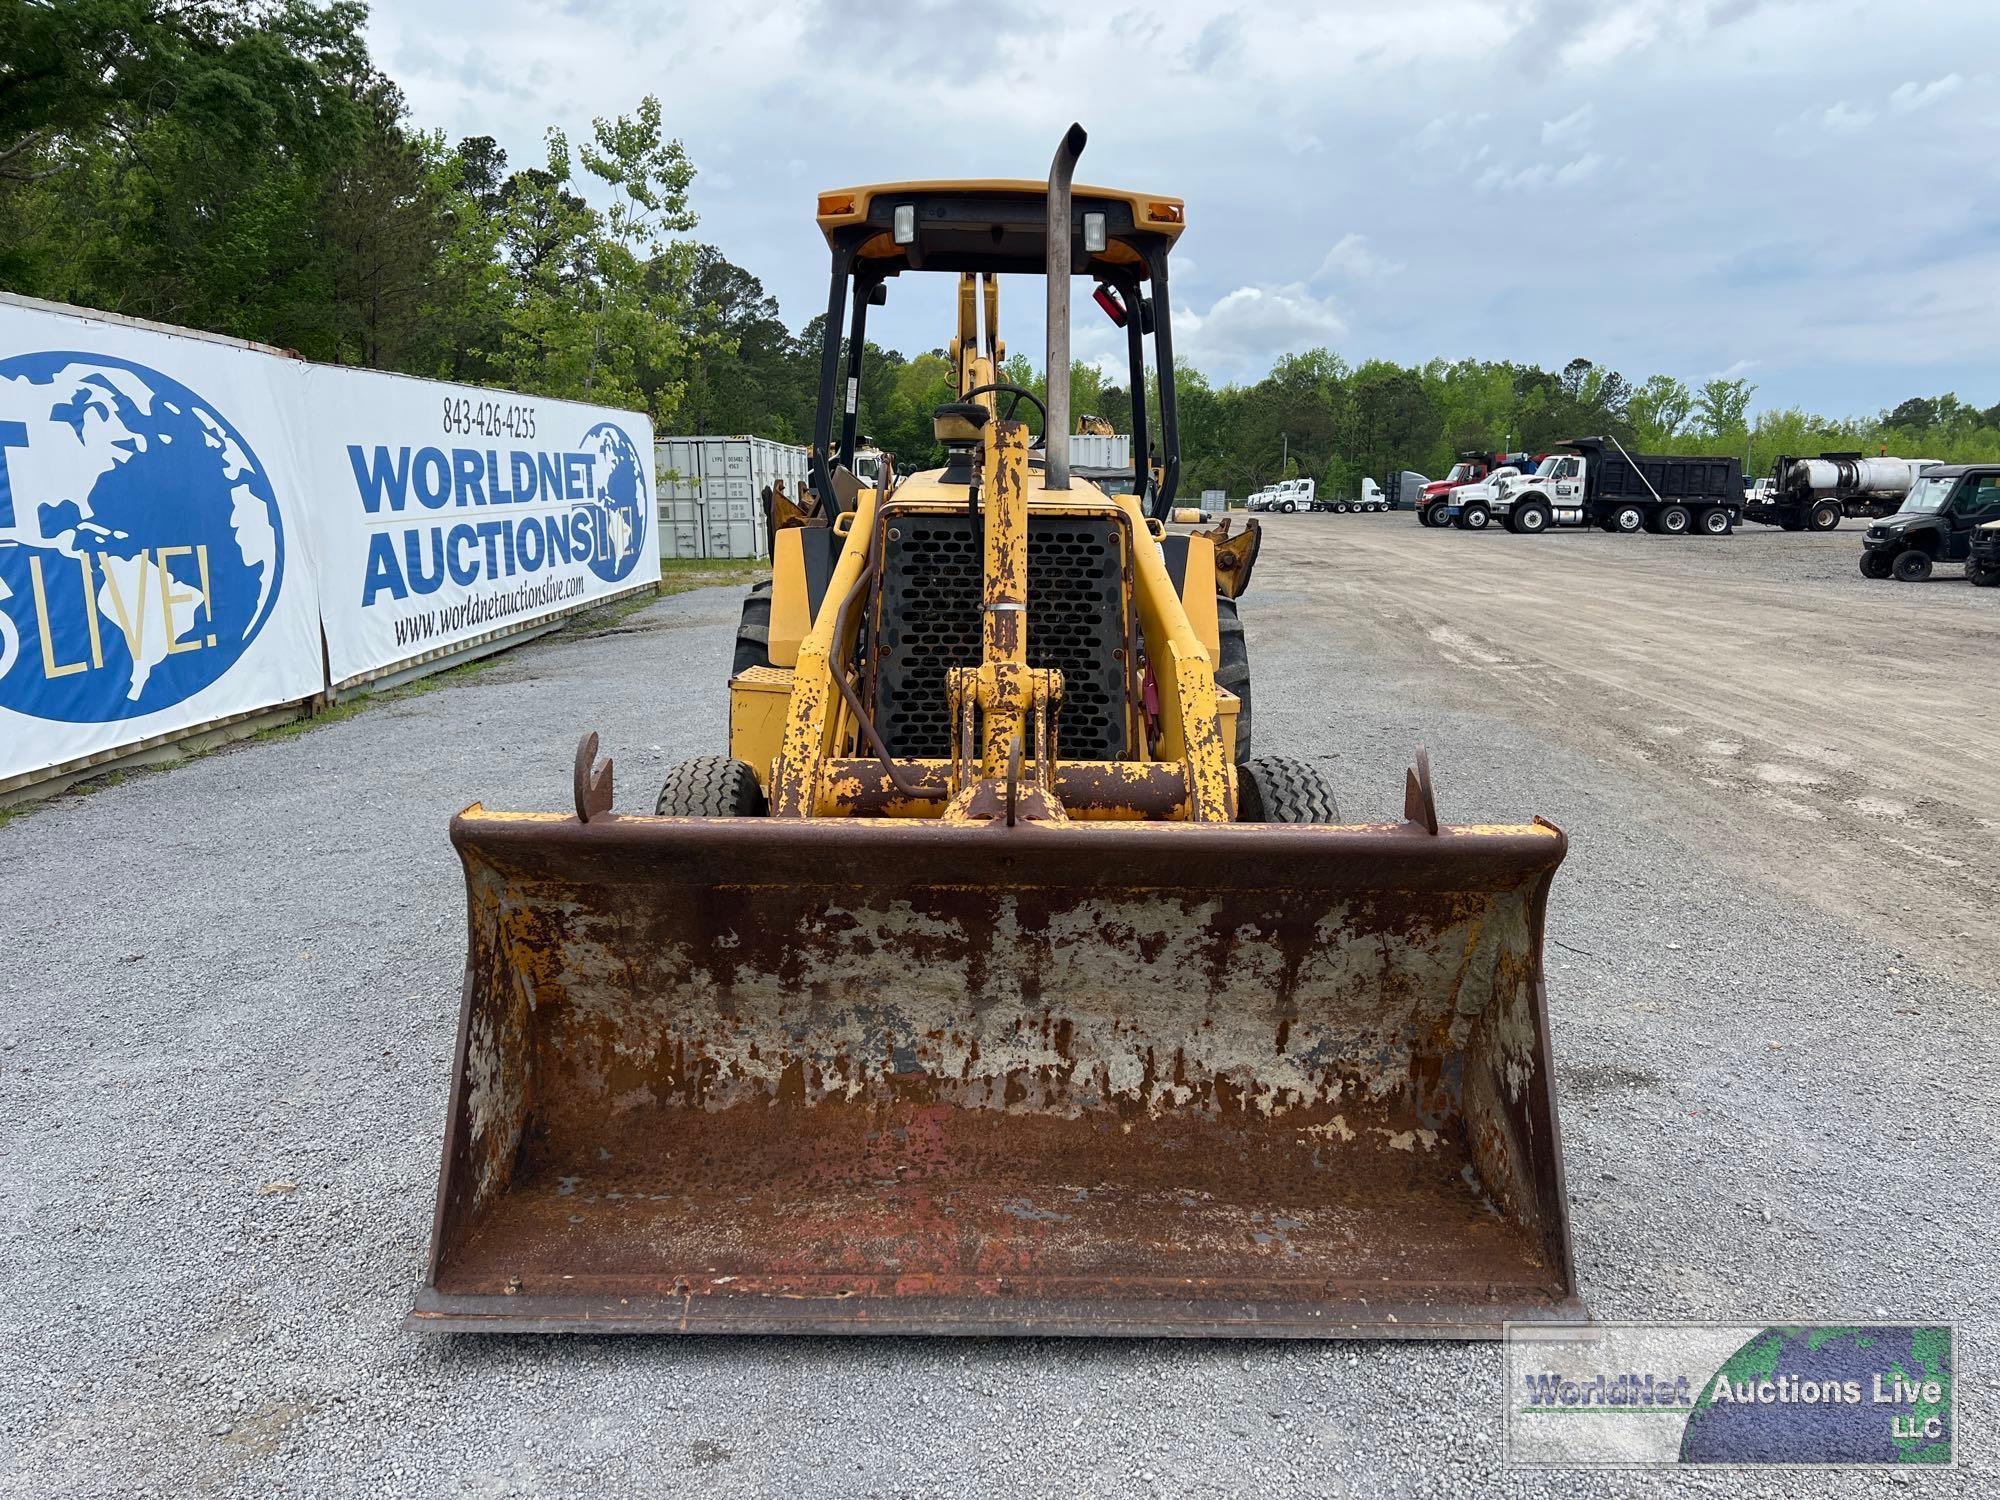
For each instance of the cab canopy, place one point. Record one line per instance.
(999, 226)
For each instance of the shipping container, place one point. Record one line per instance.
(712, 493)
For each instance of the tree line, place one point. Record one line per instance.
(243, 166)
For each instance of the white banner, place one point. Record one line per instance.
(443, 513)
(156, 571)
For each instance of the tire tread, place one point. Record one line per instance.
(710, 786)
(1278, 789)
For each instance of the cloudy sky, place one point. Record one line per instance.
(1802, 192)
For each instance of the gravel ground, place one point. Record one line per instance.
(226, 1057)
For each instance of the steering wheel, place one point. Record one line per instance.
(1019, 394)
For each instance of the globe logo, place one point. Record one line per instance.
(141, 550)
(622, 501)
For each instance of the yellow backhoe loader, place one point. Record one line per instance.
(989, 984)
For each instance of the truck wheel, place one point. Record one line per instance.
(1714, 521)
(1340, 507)
(1675, 521)
(753, 631)
(1424, 516)
(1628, 519)
(1277, 789)
(711, 786)
(1474, 517)
(1824, 516)
(1876, 565)
(1530, 519)
(1232, 668)
(1913, 566)
(1288, 507)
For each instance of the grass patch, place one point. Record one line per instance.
(677, 576)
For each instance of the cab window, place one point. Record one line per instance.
(1978, 495)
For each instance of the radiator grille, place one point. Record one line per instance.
(929, 622)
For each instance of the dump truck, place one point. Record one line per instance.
(1816, 494)
(1595, 481)
(990, 983)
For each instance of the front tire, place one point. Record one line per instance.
(1876, 565)
(1474, 517)
(1232, 668)
(1913, 566)
(1288, 507)
(711, 786)
(1530, 519)
(1277, 789)
(1983, 576)
(1824, 516)
(753, 631)
(1628, 519)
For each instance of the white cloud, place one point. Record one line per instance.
(1247, 329)
(1603, 41)
(1843, 117)
(1914, 96)
(1571, 130)
(1571, 173)
(1737, 370)
(1353, 257)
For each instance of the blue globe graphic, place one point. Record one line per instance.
(141, 549)
(623, 500)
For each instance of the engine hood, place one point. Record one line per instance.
(1905, 521)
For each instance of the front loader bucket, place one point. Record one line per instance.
(872, 1076)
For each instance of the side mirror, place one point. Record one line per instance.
(1145, 315)
(878, 294)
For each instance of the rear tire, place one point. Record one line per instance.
(1824, 516)
(753, 631)
(1675, 521)
(1232, 668)
(1876, 565)
(1982, 576)
(1278, 789)
(1913, 566)
(1715, 522)
(711, 786)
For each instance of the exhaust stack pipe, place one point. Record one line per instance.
(1055, 436)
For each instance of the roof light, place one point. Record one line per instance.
(1164, 213)
(906, 223)
(1093, 234)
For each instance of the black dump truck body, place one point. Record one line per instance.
(1666, 492)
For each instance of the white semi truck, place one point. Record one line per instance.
(1286, 496)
